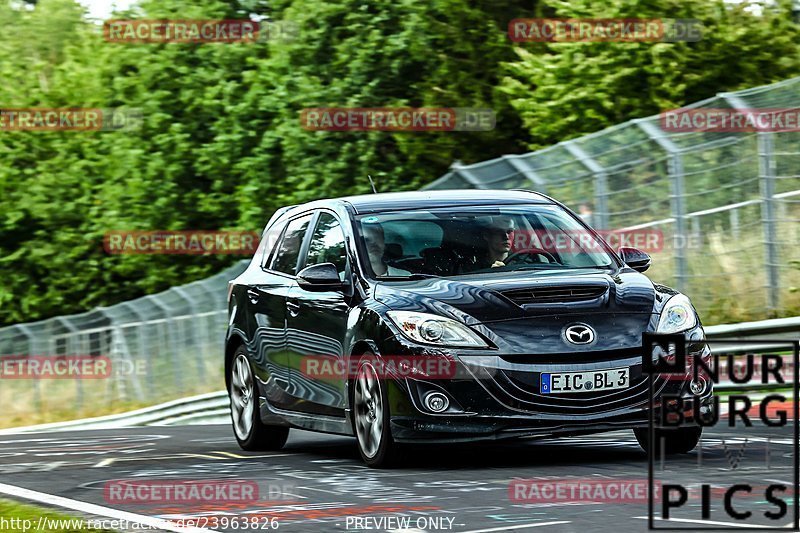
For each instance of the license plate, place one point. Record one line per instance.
(576, 382)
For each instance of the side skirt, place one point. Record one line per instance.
(314, 422)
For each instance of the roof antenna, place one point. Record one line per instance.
(372, 183)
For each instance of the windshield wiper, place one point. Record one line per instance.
(409, 277)
(556, 266)
(548, 266)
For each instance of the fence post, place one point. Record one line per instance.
(677, 199)
(463, 172)
(766, 171)
(168, 341)
(200, 360)
(766, 186)
(143, 353)
(734, 217)
(73, 331)
(527, 171)
(678, 206)
(600, 183)
(37, 392)
(118, 352)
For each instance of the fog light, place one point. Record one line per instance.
(697, 387)
(436, 402)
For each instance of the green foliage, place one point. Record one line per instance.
(564, 90)
(221, 144)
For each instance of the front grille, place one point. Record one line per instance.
(521, 392)
(573, 357)
(559, 294)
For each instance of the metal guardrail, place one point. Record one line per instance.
(787, 329)
(204, 408)
(779, 329)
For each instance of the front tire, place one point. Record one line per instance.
(371, 416)
(674, 441)
(251, 433)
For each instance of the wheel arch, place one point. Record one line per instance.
(359, 348)
(231, 345)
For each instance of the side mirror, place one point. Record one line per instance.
(320, 277)
(635, 258)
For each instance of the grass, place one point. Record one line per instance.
(787, 392)
(13, 517)
(28, 402)
(28, 417)
(727, 278)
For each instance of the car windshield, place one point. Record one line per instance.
(459, 241)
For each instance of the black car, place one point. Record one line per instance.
(432, 317)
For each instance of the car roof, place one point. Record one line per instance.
(369, 203)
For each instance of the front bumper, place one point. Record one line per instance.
(496, 397)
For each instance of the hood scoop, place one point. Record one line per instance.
(555, 294)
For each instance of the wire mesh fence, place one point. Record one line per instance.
(152, 349)
(727, 203)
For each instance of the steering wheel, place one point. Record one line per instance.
(526, 257)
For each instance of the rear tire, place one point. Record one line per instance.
(250, 432)
(678, 440)
(371, 416)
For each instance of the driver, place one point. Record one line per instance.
(376, 247)
(498, 235)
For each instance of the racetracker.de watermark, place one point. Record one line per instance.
(584, 241)
(604, 30)
(55, 367)
(69, 119)
(385, 367)
(397, 119)
(182, 491)
(578, 490)
(189, 242)
(197, 31)
(721, 120)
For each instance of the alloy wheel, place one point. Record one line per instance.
(368, 410)
(242, 397)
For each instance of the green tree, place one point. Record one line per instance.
(221, 144)
(442, 53)
(564, 90)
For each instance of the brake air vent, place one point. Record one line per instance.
(559, 294)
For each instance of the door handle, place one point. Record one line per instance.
(293, 307)
(252, 296)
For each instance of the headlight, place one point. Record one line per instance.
(434, 329)
(677, 315)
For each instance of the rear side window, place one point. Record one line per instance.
(270, 239)
(327, 244)
(285, 259)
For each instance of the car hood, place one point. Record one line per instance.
(516, 309)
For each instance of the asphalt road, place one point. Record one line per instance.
(318, 483)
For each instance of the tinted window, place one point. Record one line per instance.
(327, 244)
(412, 236)
(285, 259)
(269, 239)
(448, 241)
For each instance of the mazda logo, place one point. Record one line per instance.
(579, 334)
